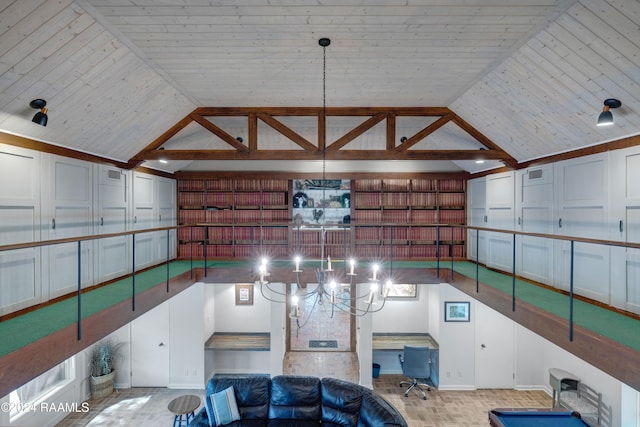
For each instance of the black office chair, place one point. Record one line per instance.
(415, 365)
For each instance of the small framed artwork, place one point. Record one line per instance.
(403, 291)
(456, 311)
(244, 294)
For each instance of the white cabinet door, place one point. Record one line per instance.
(68, 214)
(500, 212)
(477, 216)
(534, 207)
(114, 259)
(495, 349)
(582, 206)
(144, 197)
(166, 218)
(20, 284)
(625, 226)
(150, 348)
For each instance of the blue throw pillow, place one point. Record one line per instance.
(222, 407)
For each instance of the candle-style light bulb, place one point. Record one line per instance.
(387, 288)
(297, 260)
(352, 264)
(329, 264)
(332, 285)
(262, 269)
(295, 310)
(375, 271)
(374, 289)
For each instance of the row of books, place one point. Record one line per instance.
(240, 184)
(315, 252)
(451, 199)
(256, 198)
(406, 185)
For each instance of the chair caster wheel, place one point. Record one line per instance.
(406, 395)
(424, 398)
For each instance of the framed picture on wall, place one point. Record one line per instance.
(456, 311)
(403, 291)
(244, 294)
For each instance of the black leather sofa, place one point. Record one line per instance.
(300, 401)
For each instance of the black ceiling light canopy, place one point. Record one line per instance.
(606, 118)
(41, 116)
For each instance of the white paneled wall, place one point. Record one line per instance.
(54, 197)
(596, 196)
(19, 219)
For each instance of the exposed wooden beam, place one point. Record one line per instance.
(318, 155)
(157, 143)
(287, 131)
(32, 144)
(334, 151)
(229, 139)
(419, 136)
(356, 132)
(482, 139)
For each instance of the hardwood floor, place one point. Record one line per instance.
(148, 406)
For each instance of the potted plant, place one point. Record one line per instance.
(103, 355)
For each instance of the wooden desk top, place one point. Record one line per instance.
(184, 404)
(397, 341)
(239, 341)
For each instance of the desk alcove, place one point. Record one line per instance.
(387, 346)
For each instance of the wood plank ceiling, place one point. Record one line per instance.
(527, 79)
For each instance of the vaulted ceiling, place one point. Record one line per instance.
(515, 80)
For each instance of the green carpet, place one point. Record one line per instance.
(29, 327)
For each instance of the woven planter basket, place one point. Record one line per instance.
(102, 386)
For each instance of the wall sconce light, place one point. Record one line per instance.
(606, 118)
(41, 116)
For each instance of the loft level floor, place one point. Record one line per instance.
(616, 331)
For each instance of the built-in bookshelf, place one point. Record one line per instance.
(240, 217)
(402, 217)
(368, 218)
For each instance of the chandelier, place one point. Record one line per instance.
(328, 292)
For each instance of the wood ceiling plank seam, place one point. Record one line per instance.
(53, 66)
(595, 86)
(586, 107)
(610, 18)
(374, 12)
(83, 60)
(482, 106)
(423, 133)
(37, 41)
(157, 105)
(87, 81)
(287, 132)
(27, 20)
(550, 96)
(220, 133)
(356, 132)
(85, 101)
(560, 81)
(14, 12)
(611, 62)
(627, 9)
(524, 113)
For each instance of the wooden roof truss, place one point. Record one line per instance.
(332, 150)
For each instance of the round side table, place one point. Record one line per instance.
(183, 406)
